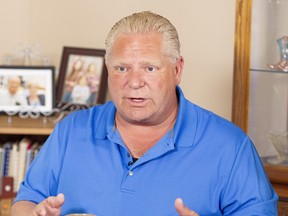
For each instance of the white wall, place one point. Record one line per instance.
(206, 30)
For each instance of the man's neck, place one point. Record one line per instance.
(140, 138)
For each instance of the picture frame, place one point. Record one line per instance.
(27, 89)
(82, 76)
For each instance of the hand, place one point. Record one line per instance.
(182, 209)
(50, 206)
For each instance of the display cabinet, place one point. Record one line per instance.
(260, 88)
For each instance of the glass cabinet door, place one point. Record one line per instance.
(268, 80)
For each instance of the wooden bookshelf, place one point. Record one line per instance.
(12, 128)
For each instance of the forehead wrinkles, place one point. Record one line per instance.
(137, 56)
(142, 59)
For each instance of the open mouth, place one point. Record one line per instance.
(137, 100)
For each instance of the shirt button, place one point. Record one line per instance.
(128, 155)
(130, 173)
(130, 163)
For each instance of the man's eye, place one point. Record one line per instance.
(121, 69)
(151, 69)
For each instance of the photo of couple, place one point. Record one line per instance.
(23, 89)
(16, 91)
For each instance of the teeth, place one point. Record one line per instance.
(137, 99)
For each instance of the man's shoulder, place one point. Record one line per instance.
(94, 120)
(215, 118)
(213, 125)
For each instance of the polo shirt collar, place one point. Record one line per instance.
(185, 127)
(106, 122)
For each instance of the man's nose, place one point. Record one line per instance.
(136, 79)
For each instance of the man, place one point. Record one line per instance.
(12, 96)
(150, 151)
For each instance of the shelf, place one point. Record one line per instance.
(26, 126)
(268, 71)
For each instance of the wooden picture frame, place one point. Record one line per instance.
(27, 89)
(82, 69)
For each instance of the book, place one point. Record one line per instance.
(7, 148)
(23, 147)
(13, 164)
(1, 166)
(2, 159)
(15, 159)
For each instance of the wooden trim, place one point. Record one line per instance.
(27, 126)
(281, 190)
(241, 63)
(277, 173)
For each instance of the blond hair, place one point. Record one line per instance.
(144, 23)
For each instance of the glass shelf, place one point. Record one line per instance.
(268, 71)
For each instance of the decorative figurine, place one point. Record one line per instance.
(283, 49)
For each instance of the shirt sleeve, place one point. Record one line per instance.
(41, 178)
(248, 190)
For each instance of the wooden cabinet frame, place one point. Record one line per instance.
(278, 174)
(241, 64)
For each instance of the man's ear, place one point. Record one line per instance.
(178, 70)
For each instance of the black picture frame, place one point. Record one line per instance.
(67, 78)
(34, 93)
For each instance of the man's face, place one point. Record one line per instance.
(142, 79)
(13, 85)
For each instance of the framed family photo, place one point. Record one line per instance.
(82, 76)
(26, 89)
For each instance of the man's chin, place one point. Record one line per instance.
(138, 118)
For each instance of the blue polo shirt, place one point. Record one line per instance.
(206, 160)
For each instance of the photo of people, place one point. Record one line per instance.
(81, 91)
(12, 92)
(93, 81)
(25, 89)
(82, 82)
(36, 94)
